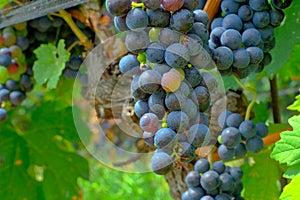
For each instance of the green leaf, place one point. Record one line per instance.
(3, 3)
(287, 149)
(261, 178)
(291, 191)
(50, 63)
(286, 36)
(292, 171)
(277, 127)
(296, 104)
(261, 112)
(291, 69)
(15, 182)
(230, 83)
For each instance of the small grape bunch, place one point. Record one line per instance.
(239, 136)
(216, 182)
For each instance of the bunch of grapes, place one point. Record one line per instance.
(48, 29)
(219, 182)
(171, 95)
(242, 39)
(15, 76)
(239, 136)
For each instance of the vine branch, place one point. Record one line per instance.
(275, 100)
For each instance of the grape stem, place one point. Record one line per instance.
(137, 5)
(80, 35)
(250, 106)
(211, 8)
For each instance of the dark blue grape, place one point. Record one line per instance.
(75, 62)
(163, 137)
(149, 81)
(192, 179)
(161, 68)
(241, 58)
(178, 121)
(152, 4)
(202, 165)
(192, 75)
(182, 20)
(223, 57)
(258, 5)
(238, 188)
(245, 13)
(254, 144)
(23, 42)
(120, 24)
(193, 42)
(261, 19)
(57, 22)
(186, 152)
(136, 91)
(218, 167)
(199, 135)
(227, 182)
(155, 53)
(137, 19)
(16, 97)
(148, 138)
(207, 197)
(269, 45)
(223, 196)
(267, 33)
(247, 129)
(240, 150)
(213, 192)
(215, 35)
(4, 95)
(159, 18)
(190, 108)
(229, 7)
(201, 16)
(69, 73)
(195, 193)
(11, 84)
(141, 108)
(256, 55)
(190, 4)
(167, 37)
(248, 25)
(201, 4)
(201, 118)
(208, 80)
(232, 21)
(234, 120)
(200, 29)
(5, 60)
(251, 37)
(210, 180)
(156, 104)
(25, 81)
(3, 114)
(217, 22)
(261, 129)
(161, 163)
(129, 64)
(177, 55)
(276, 17)
(236, 173)
(185, 196)
(118, 7)
(225, 153)
(202, 96)
(231, 137)
(137, 41)
(231, 38)
(175, 100)
(222, 118)
(44, 23)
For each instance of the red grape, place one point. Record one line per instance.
(172, 5)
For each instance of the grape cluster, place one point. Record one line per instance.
(15, 76)
(171, 95)
(48, 30)
(242, 39)
(217, 182)
(239, 136)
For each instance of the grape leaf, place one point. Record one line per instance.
(292, 171)
(3, 3)
(291, 191)
(291, 69)
(230, 83)
(286, 36)
(260, 179)
(41, 146)
(295, 105)
(287, 149)
(261, 112)
(14, 161)
(50, 63)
